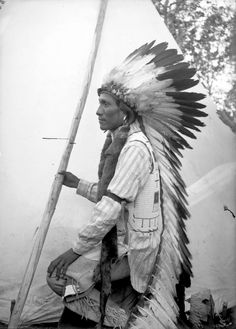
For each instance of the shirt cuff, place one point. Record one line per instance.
(85, 189)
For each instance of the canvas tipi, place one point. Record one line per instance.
(44, 50)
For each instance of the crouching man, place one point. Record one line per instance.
(123, 233)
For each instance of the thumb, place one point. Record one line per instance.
(63, 172)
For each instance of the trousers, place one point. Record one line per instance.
(87, 303)
(119, 270)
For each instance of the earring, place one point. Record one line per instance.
(125, 119)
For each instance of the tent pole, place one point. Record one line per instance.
(57, 183)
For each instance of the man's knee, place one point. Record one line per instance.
(57, 285)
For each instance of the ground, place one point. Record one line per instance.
(54, 325)
(225, 322)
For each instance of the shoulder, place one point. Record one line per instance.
(136, 153)
(138, 142)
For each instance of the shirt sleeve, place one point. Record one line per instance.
(105, 215)
(131, 174)
(87, 190)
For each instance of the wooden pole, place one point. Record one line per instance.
(57, 183)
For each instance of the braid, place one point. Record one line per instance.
(109, 251)
(102, 158)
(109, 158)
(140, 121)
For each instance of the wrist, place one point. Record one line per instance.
(76, 252)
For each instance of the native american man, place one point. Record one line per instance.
(137, 220)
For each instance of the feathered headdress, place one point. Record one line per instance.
(151, 82)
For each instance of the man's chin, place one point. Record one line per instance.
(103, 126)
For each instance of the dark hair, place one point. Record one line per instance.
(131, 114)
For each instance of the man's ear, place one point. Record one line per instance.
(130, 115)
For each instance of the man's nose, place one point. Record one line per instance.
(99, 110)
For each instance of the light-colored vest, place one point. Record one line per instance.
(144, 224)
(144, 212)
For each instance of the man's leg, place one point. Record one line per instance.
(119, 270)
(88, 303)
(68, 319)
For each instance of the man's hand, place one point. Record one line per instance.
(69, 179)
(61, 263)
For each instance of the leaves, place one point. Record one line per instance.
(1, 3)
(204, 31)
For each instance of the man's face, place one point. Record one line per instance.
(109, 115)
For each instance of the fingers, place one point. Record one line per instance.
(64, 269)
(65, 175)
(63, 172)
(59, 269)
(52, 266)
(69, 179)
(59, 266)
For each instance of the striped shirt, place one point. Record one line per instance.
(131, 174)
